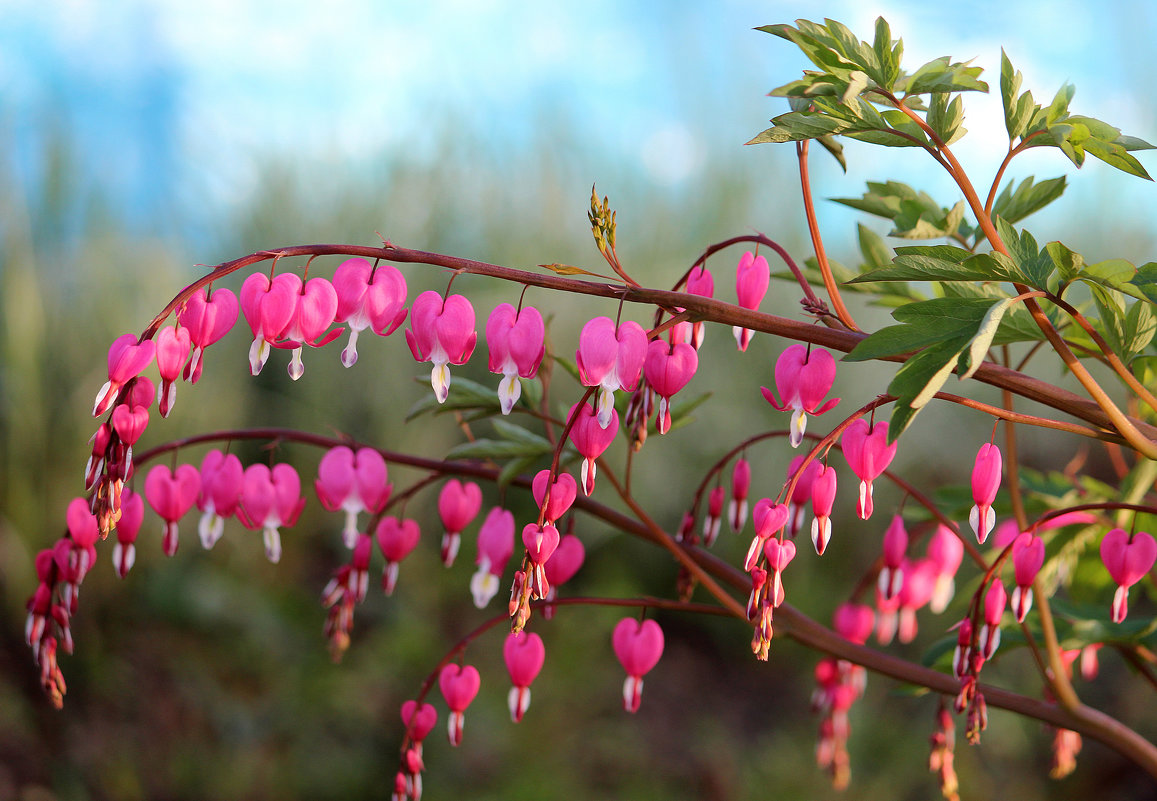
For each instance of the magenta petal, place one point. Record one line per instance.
(638, 646)
(598, 350)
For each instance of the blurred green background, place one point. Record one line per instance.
(206, 675)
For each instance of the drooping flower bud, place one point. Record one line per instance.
(459, 685)
(985, 483)
(868, 453)
(1028, 555)
(638, 647)
(458, 504)
(524, 655)
(752, 276)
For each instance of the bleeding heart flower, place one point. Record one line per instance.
(313, 313)
(740, 486)
(222, 482)
(714, 519)
(1128, 558)
(638, 647)
(268, 307)
(395, 539)
(524, 655)
(368, 297)
(515, 340)
(590, 439)
(752, 276)
(985, 483)
(419, 721)
(495, 547)
(207, 319)
(854, 622)
(172, 495)
(946, 552)
(459, 685)
(441, 332)
(610, 358)
(127, 358)
(995, 601)
(124, 553)
(779, 555)
(352, 482)
(540, 543)
(458, 504)
(668, 368)
(769, 518)
(568, 557)
(801, 492)
(823, 499)
(270, 499)
(868, 453)
(803, 375)
(891, 577)
(173, 347)
(562, 494)
(700, 282)
(1028, 556)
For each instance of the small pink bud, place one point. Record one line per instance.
(1028, 555)
(823, 498)
(714, 518)
(173, 348)
(740, 486)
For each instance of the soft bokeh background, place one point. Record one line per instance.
(139, 139)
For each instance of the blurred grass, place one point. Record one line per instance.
(206, 676)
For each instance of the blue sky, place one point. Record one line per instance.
(175, 100)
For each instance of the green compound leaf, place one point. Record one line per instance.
(1014, 205)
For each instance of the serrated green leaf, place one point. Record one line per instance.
(1059, 108)
(883, 199)
(920, 378)
(1068, 263)
(938, 264)
(857, 84)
